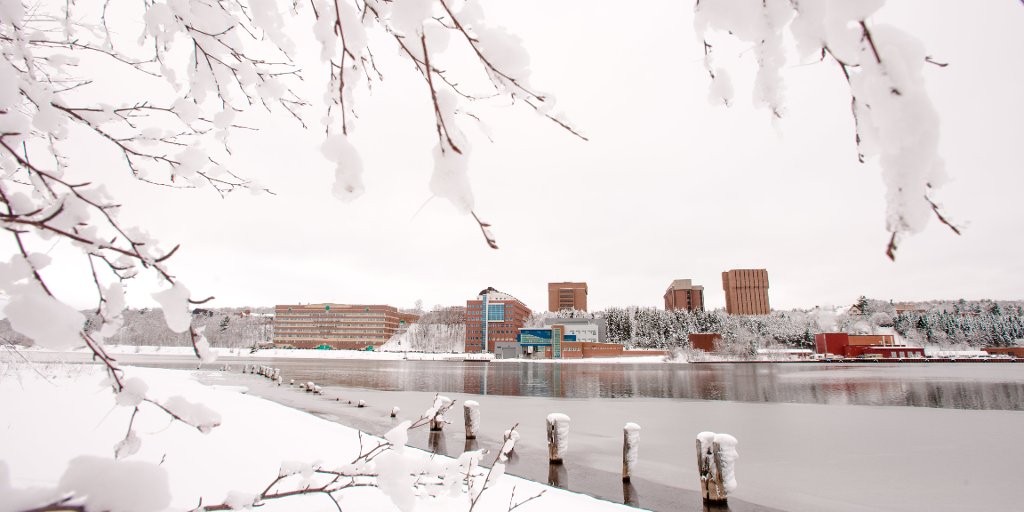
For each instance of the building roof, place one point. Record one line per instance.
(683, 284)
(784, 351)
(493, 294)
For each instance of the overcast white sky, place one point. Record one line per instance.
(669, 187)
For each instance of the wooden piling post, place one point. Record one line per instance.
(630, 449)
(471, 410)
(716, 459)
(441, 406)
(558, 437)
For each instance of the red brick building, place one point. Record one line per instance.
(493, 317)
(339, 326)
(587, 349)
(683, 294)
(704, 341)
(1017, 352)
(567, 296)
(858, 345)
(746, 292)
(895, 352)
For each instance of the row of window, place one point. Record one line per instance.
(334, 314)
(341, 324)
(331, 336)
(321, 334)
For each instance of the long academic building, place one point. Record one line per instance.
(337, 326)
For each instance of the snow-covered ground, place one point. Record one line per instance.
(269, 353)
(277, 353)
(61, 424)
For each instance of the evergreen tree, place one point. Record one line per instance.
(862, 305)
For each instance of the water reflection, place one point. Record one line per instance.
(558, 476)
(436, 443)
(629, 495)
(716, 507)
(949, 386)
(954, 387)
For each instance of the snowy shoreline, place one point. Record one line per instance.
(231, 463)
(226, 354)
(277, 353)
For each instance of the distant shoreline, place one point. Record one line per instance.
(271, 353)
(278, 353)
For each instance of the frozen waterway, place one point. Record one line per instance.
(587, 468)
(792, 456)
(961, 451)
(941, 385)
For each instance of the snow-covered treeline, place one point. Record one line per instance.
(988, 328)
(976, 323)
(537, 318)
(649, 327)
(223, 327)
(442, 330)
(433, 338)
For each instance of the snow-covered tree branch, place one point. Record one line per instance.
(195, 70)
(895, 121)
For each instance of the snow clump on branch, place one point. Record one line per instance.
(895, 121)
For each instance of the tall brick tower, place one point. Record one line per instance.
(746, 291)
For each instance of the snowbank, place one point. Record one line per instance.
(278, 353)
(63, 424)
(272, 353)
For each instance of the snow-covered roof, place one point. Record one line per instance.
(493, 294)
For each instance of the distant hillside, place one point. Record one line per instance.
(225, 327)
(939, 322)
(959, 322)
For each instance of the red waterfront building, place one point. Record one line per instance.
(859, 345)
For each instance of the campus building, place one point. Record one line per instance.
(493, 319)
(567, 296)
(706, 341)
(548, 343)
(555, 342)
(863, 345)
(683, 294)
(746, 291)
(594, 330)
(337, 326)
